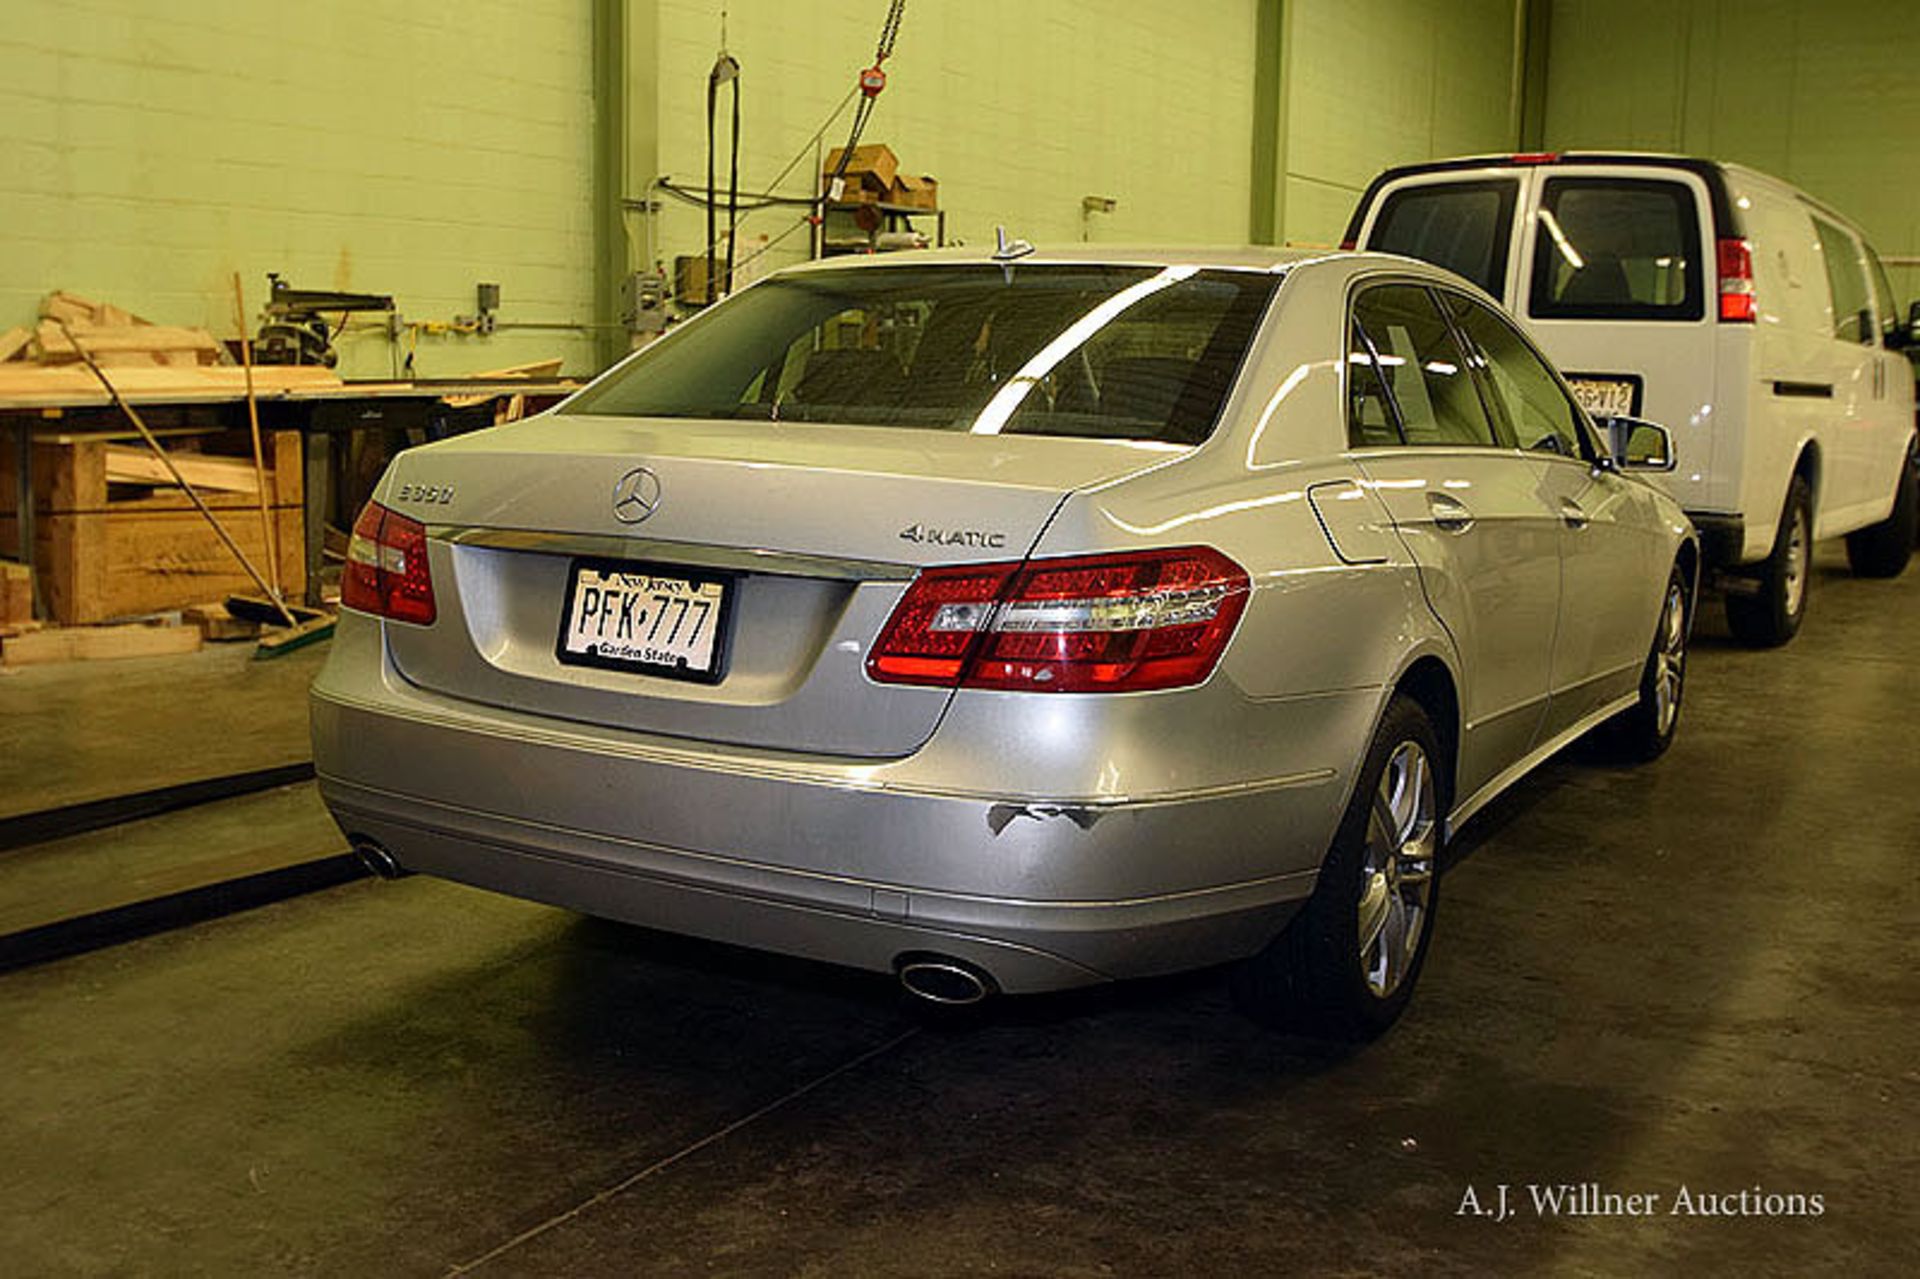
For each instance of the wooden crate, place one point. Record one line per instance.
(108, 551)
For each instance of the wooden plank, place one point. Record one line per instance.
(55, 345)
(126, 464)
(97, 643)
(537, 368)
(14, 341)
(35, 386)
(218, 626)
(70, 307)
(16, 592)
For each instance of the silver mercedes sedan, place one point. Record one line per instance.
(1011, 621)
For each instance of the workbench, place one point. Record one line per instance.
(322, 410)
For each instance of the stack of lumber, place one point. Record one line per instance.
(115, 338)
(41, 366)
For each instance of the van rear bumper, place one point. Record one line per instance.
(1722, 537)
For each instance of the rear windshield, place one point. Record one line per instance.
(1136, 353)
(1617, 249)
(1462, 226)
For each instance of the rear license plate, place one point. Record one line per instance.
(1606, 396)
(650, 621)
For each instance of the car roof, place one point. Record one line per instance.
(1252, 257)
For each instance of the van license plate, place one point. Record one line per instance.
(627, 617)
(1605, 396)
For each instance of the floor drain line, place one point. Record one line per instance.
(668, 1161)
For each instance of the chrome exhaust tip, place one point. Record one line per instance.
(376, 859)
(939, 979)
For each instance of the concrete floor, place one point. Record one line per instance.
(79, 731)
(1693, 974)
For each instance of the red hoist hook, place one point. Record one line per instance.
(872, 80)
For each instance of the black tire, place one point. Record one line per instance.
(1883, 549)
(1313, 979)
(1771, 614)
(1646, 729)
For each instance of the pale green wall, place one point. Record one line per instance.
(1018, 108)
(147, 151)
(1824, 95)
(1373, 83)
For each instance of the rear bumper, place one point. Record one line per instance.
(849, 862)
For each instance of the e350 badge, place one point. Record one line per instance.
(424, 494)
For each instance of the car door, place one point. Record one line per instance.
(1471, 512)
(1610, 584)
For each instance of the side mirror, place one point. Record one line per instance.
(1639, 445)
(1906, 337)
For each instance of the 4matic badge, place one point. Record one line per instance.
(920, 533)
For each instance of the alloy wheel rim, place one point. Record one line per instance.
(1670, 661)
(1397, 866)
(1796, 560)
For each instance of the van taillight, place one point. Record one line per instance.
(1079, 624)
(386, 572)
(1349, 244)
(1533, 157)
(1736, 281)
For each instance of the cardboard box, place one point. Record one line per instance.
(873, 167)
(912, 192)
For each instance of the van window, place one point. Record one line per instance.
(1462, 226)
(1539, 416)
(1429, 390)
(1852, 314)
(1890, 321)
(1617, 249)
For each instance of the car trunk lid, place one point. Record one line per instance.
(814, 530)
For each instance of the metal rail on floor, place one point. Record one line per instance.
(174, 910)
(77, 819)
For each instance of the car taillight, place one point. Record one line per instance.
(1533, 157)
(1736, 281)
(386, 572)
(1081, 624)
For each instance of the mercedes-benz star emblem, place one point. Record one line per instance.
(636, 496)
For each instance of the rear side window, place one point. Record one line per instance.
(1136, 353)
(1617, 249)
(1536, 413)
(1890, 321)
(1407, 381)
(1462, 226)
(1852, 313)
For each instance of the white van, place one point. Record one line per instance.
(1750, 319)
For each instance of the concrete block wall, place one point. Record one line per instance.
(147, 151)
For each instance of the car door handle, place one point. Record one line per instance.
(1573, 513)
(1449, 513)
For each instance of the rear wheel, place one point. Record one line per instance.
(1646, 729)
(1347, 963)
(1883, 549)
(1770, 615)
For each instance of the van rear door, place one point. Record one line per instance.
(1617, 282)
